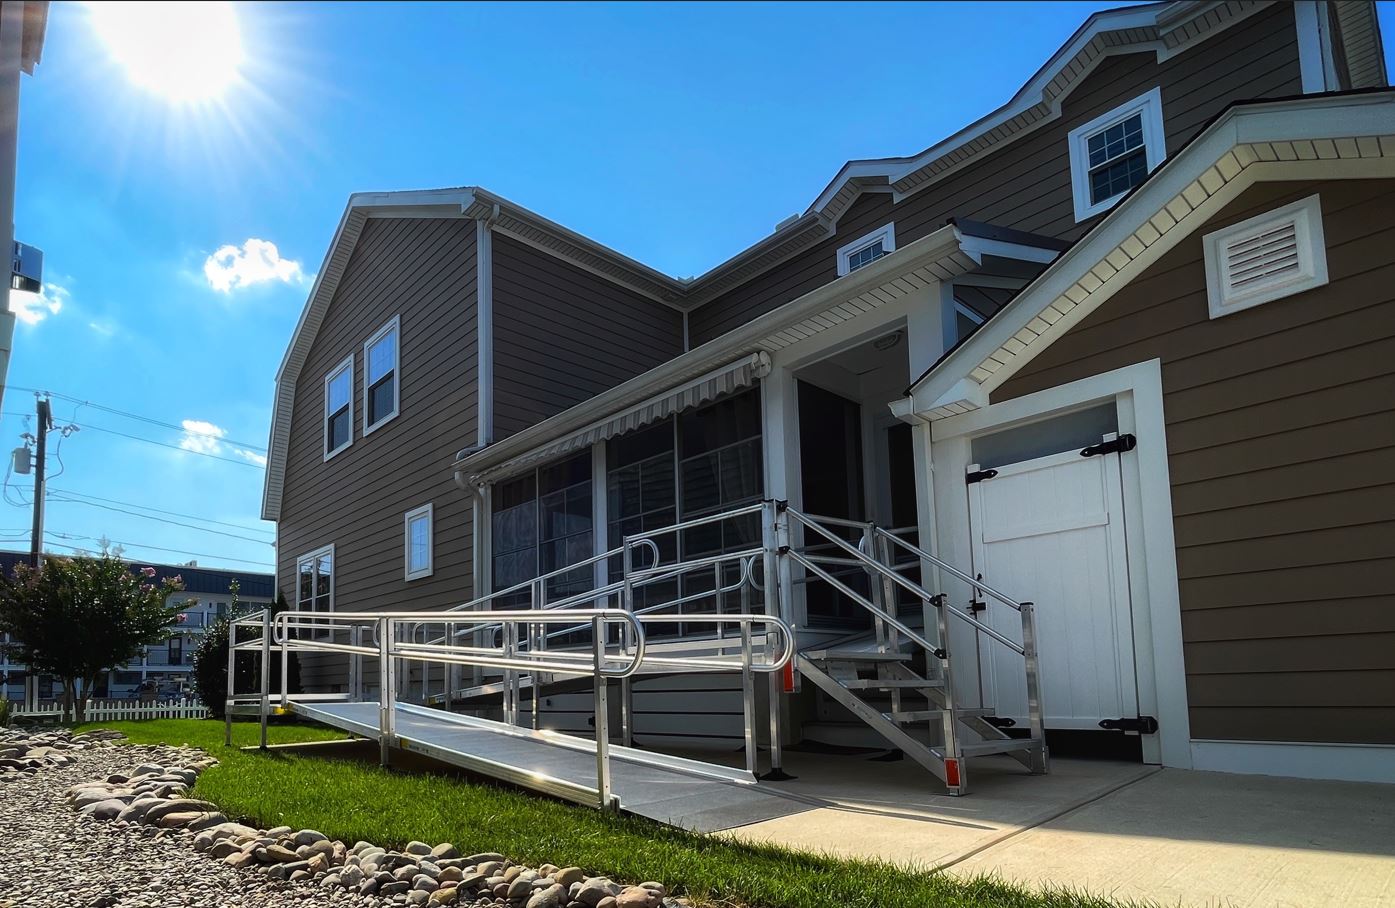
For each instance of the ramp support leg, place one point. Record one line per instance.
(266, 672)
(603, 795)
(387, 691)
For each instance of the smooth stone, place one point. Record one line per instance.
(633, 897)
(417, 848)
(444, 896)
(105, 810)
(394, 888)
(445, 850)
(568, 875)
(310, 837)
(418, 897)
(550, 897)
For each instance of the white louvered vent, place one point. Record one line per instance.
(1274, 255)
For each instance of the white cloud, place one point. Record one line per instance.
(32, 308)
(105, 329)
(201, 436)
(254, 262)
(204, 437)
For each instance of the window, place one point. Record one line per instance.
(125, 679)
(176, 651)
(339, 408)
(315, 582)
(418, 542)
(1113, 153)
(380, 394)
(542, 522)
(867, 249)
(1276, 254)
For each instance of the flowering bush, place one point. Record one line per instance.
(79, 617)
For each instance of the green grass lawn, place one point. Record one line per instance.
(351, 801)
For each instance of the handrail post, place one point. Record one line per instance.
(510, 634)
(356, 664)
(955, 779)
(627, 602)
(232, 682)
(876, 587)
(748, 697)
(1034, 705)
(285, 670)
(878, 551)
(448, 695)
(771, 594)
(265, 673)
(387, 694)
(602, 707)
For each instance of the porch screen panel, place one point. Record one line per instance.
(641, 492)
(541, 522)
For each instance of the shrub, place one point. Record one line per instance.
(211, 662)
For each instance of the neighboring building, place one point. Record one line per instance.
(206, 598)
(1179, 233)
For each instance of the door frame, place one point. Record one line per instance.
(1152, 552)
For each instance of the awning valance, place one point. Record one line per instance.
(724, 380)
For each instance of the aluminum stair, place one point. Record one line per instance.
(872, 684)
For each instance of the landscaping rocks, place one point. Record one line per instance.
(127, 837)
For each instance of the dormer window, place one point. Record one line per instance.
(866, 250)
(1115, 152)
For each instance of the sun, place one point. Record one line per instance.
(184, 52)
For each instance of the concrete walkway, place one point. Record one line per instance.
(1201, 838)
(1122, 830)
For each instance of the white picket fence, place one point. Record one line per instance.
(118, 710)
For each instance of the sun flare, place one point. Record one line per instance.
(184, 52)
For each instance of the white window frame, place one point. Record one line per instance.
(886, 234)
(426, 511)
(316, 554)
(1149, 104)
(334, 373)
(393, 325)
(1306, 215)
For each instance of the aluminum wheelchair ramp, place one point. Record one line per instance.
(695, 795)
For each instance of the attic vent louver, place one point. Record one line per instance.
(1274, 255)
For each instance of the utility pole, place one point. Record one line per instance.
(36, 545)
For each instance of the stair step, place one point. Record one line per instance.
(920, 715)
(1006, 745)
(850, 655)
(889, 683)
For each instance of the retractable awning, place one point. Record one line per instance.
(733, 376)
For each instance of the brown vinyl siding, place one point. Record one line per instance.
(563, 334)
(1281, 443)
(1026, 185)
(423, 271)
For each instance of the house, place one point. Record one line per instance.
(206, 597)
(1123, 348)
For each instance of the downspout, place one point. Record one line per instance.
(484, 325)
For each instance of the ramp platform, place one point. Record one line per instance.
(692, 794)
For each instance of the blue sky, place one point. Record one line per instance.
(675, 133)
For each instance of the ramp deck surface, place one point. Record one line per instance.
(691, 794)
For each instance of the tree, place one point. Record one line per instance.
(211, 661)
(76, 618)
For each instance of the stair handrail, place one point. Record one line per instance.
(910, 586)
(948, 568)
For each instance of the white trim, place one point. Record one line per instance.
(1306, 218)
(347, 363)
(484, 331)
(1149, 106)
(1346, 762)
(1314, 46)
(1153, 585)
(416, 513)
(393, 325)
(885, 234)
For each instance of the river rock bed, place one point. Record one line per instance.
(105, 824)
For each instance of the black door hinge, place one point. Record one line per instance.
(980, 476)
(1144, 725)
(1117, 446)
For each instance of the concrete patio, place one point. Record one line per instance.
(1119, 829)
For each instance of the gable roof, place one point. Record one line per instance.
(1160, 28)
(1332, 136)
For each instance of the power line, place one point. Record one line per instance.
(173, 523)
(164, 444)
(144, 507)
(141, 545)
(147, 419)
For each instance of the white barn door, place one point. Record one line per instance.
(1051, 531)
